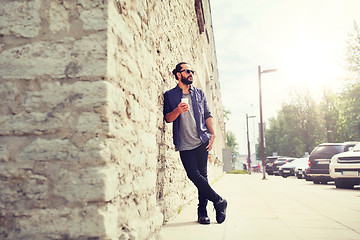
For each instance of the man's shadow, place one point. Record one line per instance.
(180, 224)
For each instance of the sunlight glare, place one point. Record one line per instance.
(312, 64)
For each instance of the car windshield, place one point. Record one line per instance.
(356, 148)
(348, 146)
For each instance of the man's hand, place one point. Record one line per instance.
(211, 142)
(182, 107)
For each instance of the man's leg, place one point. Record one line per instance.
(202, 160)
(220, 205)
(191, 165)
(190, 162)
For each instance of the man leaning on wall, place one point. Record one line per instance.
(193, 136)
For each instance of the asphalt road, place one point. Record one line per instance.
(276, 208)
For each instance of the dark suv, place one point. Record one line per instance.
(320, 158)
(269, 164)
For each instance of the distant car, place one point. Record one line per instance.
(269, 164)
(279, 162)
(286, 170)
(345, 168)
(290, 168)
(306, 173)
(300, 169)
(320, 157)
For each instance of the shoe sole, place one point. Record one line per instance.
(204, 223)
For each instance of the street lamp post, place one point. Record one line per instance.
(261, 120)
(248, 142)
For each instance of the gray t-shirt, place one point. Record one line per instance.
(189, 137)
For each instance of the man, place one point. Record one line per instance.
(193, 136)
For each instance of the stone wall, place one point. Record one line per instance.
(84, 150)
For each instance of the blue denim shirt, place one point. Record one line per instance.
(201, 110)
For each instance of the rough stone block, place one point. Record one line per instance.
(28, 123)
(84, 185)
(20, 18)
(48, 150)
(94, 19)
(4, 153)
(62, 58)
(59, 19)
(91, 122)
(62, 223)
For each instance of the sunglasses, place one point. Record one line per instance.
(188, 71)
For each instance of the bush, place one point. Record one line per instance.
(238, 172)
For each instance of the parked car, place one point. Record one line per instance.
(306, 173)
(269, 164)
(300, 169)
(279, 162)
(288, 169)
(345, 168)
(320, 157)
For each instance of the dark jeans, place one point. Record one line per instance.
(195, 164)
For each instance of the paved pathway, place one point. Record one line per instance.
(277, 208)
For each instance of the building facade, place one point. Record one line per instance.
(84, 149)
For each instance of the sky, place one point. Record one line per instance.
(305, 41)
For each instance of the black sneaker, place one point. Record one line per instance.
(203, 217)
(220, 208)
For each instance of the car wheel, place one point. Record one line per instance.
(299, 176)
(316, 182)
(284, 176)
(343, 184)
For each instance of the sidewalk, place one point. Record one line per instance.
(277, 208)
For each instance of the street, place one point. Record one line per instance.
(276, 208)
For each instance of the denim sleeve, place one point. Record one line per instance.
(207, 112)
(167, 109)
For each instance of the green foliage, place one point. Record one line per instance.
(231, 142)
(297, 129)
(331, 111)
(226, 113)
(238, 172)
(353, 51)
(230, 137)
(350, 98)
(350, 114)
(180, 208)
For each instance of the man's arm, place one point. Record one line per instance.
(210, 126)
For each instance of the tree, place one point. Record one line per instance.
(297, 128)
(230, 137)
(231, 142)
(353, 51)
(226, 113)
(350, 112)
(330, 108)
(350, 98)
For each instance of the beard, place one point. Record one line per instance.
(185, 80)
